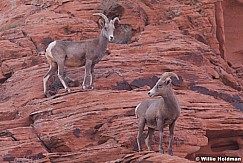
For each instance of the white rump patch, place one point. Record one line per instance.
(136, 110)
(50, 47)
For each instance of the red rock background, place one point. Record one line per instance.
(200, 40)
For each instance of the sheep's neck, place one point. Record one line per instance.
(171, 102)
(102, 44)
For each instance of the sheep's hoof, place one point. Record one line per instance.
(170, 152)
(49, 94)
(84, 87)
(88, 87)
(93, 87)
(68, 90)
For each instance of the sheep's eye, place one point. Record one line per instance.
(159, 85)
(106, 28)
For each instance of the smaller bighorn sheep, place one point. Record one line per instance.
(76, 54)
(158, 113)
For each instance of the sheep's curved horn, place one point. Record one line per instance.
(168, 75)
(115, 19)
(103, 16)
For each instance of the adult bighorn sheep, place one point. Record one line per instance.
(76, 54)
(158, 113)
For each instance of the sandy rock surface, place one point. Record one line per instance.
(186, 37)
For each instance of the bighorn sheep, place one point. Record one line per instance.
(158, 113)
(76, 54)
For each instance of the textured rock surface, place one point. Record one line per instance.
(99, 125)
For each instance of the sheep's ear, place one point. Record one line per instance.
(101, 23)
(168, 81)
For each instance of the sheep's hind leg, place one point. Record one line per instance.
(141, 124)
(92, 77)
(60, 75)
(148, 139)
(51, 71)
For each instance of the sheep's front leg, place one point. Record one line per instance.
(51, 71)
(88, 65)
(141, 124)
(160, 126)
(92, 77)
(171, 128)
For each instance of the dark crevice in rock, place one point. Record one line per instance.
(7, 76)
(42, 142)
(50, 143)
(124, 32)
(44, 43)
(54, 84)
(56, 144)
(115, 10)
(219, 141)
(229, 141)
(95, 135)
(29, 158)
(201, 39)
(137, 83)
(124, 85)
(40, 115)
(8, 134)
(194, 58)
(235, 101)
(141, 82)
(31, 39)
(230, 83)
(227, 145)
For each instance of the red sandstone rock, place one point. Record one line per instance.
(100, 125)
